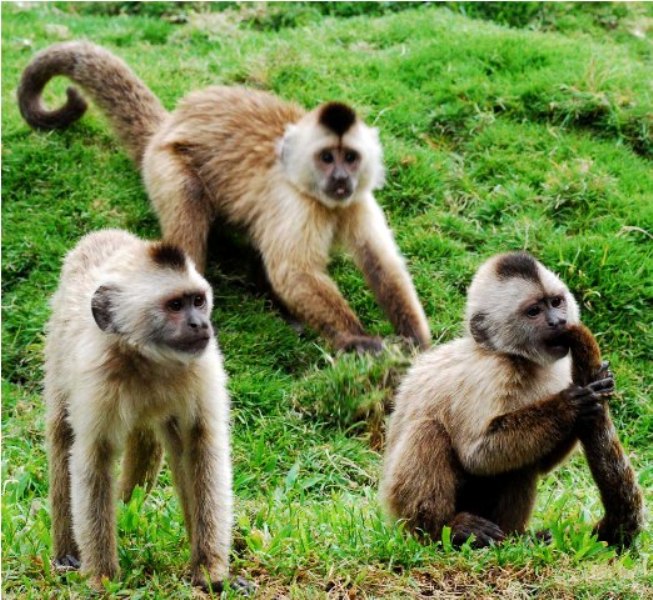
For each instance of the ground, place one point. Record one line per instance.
(505, 126)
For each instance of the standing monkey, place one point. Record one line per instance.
(130, 352)
(297, 182)
(479, 419)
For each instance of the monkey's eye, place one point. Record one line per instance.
(533, 311)
(199, 300)
(557, 301)
(175, 305)
(326, 156)
(351, 156)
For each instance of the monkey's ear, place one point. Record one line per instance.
(102, 308)
(286, 142)
(479, 329)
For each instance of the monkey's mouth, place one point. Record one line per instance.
(558, 344)
(192, 346)
(339, 191)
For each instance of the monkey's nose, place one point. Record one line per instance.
(557, 322)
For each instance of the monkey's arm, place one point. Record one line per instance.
(609, 464)
(523, 437)
(302, 284)
(375, 252)
(558, 454)
(208, 480)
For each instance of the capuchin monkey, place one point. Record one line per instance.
(298, 183)
(130, 354)
(479, 419)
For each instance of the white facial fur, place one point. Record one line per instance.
(138, 308)
(303, 141)
(496, 304)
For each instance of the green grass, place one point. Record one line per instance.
(505, 126)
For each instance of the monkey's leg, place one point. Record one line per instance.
(422, 483)
(621, 496)
(141, 462)
(311, 295)
(93, 503)
(377, 256)
(208, 464)
(515, 500)
(60, 438)
(180, 200)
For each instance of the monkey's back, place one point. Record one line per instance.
(71, 303)
(228, 137)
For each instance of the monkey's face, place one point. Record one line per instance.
(336, 170)
(516, 306)
(176, 322)
(333, 165)
(183, 323)
(544, 320)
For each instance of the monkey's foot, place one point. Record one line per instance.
(485, 532)
(66, 563)
(359, 344)
(242, 586)
(621, 535)
(543, 535)
(217, 586)
(98, 576)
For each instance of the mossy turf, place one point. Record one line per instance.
(505, 126)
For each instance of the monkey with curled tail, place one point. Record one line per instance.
(299, 183)
(478, 420)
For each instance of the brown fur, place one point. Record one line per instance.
(479, 419)
(141, 461)
(238, 156)
(119, 371)
(621, 496)
(134, 111)
(60, 440)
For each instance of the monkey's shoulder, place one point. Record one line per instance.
(456, 362)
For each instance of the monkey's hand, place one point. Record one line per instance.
(359, 344)
(485, 532)
(588, 401)
(603, 372)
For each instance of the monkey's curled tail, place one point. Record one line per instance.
(614, 476)
(134, 111)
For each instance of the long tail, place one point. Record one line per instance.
(134, 111)
(621, 496)
(614, 476)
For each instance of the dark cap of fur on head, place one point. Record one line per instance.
(337, 117)
(168, 255)
(517, 264)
